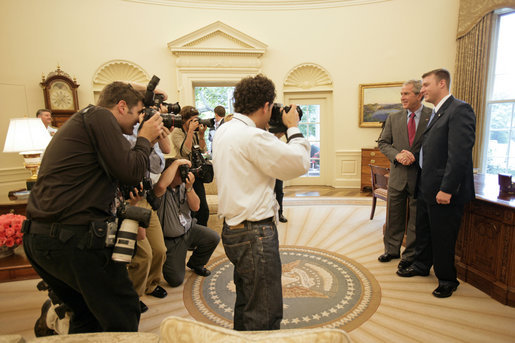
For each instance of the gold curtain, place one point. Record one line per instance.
(472, 11)
(470, 76)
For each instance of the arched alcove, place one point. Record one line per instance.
(118, 70)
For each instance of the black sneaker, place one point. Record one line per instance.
(40, 328)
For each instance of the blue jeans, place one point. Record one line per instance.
(254, 251)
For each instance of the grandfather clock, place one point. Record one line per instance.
(60, 93)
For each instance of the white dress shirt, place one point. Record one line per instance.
(246, 161)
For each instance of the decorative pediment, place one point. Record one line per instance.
(217, 39)
(308, 76)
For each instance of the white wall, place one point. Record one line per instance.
(379, 42)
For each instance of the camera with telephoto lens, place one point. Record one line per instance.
(207, 122)
(200, 168)
(172, 118)
(276, 124)
(147, 190)
(132, 217)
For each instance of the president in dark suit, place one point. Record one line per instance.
(400, 141)
(446, 182)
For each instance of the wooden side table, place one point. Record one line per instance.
(15, 267)
(371, 156)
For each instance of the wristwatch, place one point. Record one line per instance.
(189, 189)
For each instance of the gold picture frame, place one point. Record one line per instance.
(377, 101)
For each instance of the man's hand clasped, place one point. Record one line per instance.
(405, 158)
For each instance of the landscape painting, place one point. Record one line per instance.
(377, 101)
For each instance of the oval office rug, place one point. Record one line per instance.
(320, 289)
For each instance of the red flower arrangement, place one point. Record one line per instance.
(10, 230)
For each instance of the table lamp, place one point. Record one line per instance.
(29, 137)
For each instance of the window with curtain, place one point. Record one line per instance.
(500, 132)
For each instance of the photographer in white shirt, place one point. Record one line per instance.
(247, 160)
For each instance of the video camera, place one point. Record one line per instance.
(275, 123)
(147, 190)
(151, 99)
(202, 169)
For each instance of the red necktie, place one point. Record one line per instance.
(412, 128)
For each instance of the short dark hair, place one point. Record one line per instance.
(251, 93)
(187, 112)
(220, 111)
(440, 74)
(41, 110)
(116, 91)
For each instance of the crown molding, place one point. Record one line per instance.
(256, 5)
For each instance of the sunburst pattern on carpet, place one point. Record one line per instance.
(320, 289)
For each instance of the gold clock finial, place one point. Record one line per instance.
(42, 77)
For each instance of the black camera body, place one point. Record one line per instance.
(275, 123)
(206, 122)
(171, 118)
(202, 169)
(147, 191)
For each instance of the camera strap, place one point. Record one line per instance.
(193, 143)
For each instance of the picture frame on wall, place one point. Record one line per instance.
(377, 101)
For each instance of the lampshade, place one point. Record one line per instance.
(25, 135)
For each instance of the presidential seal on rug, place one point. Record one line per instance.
(320, 289)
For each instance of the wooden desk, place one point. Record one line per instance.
(485, 249)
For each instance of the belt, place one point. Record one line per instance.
(246, 222)
(51, 229)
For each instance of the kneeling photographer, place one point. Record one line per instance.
(146, 267)
(181, 231)
(184, 139)
(71, 206)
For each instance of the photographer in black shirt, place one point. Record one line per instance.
(72, 201)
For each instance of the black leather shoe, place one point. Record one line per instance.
(40, 328)
(142, 307)
(202, 271)
(282, 219)
(444, 291)
(403, 264)
(159, 292)
(410, 271)
(386, 257)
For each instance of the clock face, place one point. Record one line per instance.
(61, 96)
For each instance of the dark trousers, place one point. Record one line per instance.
(396, 224)
(202, 214)
(279, 194)
(254, 251)
(200, 238)
(437, 232)
(96, 289)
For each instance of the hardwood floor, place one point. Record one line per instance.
(335, 220)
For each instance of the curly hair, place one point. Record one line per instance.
(251, 93)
